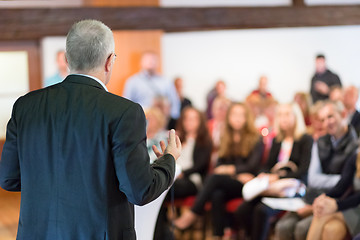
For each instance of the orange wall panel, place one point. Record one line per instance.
(129, 46)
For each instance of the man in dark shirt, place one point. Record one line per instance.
(322, 80)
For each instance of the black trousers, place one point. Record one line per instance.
(218, 189)
(181, 188)
(254, 217)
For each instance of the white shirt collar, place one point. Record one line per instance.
(96, 79)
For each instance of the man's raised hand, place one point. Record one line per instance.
(173, 148)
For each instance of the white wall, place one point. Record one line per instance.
(285, 55)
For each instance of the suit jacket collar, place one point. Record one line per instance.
(79, 79)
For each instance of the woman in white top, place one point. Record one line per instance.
(194, 161)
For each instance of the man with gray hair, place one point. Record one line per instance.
(329, 155)
(78, 153)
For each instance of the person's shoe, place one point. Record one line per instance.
(185, 221)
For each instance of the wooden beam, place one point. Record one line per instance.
(121, 3)
(298, 3)
(25, 24)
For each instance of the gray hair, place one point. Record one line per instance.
(88, 44)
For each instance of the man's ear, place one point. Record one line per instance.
(109, 62)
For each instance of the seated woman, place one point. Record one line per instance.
(337, 214)
(194, 161)
(317, 129)
(155, 130)
(303, 100)
(288, 160)
(216, 126)
(240, 154)
(196, 152)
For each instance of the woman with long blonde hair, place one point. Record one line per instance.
(240, 154)
(285, 168)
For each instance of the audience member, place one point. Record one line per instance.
(322, 80)
(336, 93)
(263, 108)
(155, 130)
(239, 161)
(217, 91)
(185, 102)
(328, 157)
(146, 85)
(302, 99)
(163, 103)
(337, 214)
(194, 161)
(262, 90)
(267, 130)
(351, 95)
(258, 101)
(316, 129)
(197, 147)
(216, 125)
(288, 160)
(62, 70)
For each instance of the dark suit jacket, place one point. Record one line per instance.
(300, 155)
(355, 122)
(78, 155)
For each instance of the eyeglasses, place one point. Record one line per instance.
(115, 56)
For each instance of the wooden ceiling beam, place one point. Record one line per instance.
(298, 3)
(26, 24)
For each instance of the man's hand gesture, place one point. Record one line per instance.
(173, 148)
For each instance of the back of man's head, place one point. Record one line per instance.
(88, 45)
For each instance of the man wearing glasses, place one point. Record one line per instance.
(78, 153)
